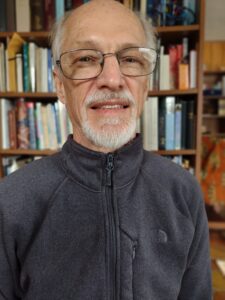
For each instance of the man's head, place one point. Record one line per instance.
(101, 84)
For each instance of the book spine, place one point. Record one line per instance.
(170, 120)
(12, 128)
(183, 124)
(50, 78)
(31, 125)
(19, 72)
(5, 106)
(39, 127)
(26, 77)
(23, 15)
(22, 125)
(193, 69)
(10, 15)
(59, 9)
(2, 68)
(177, 134)
(37, 15)
(162, 124)
(49, 14)
(32, 73)
(190, 124)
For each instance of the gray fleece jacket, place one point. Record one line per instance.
(83, 225)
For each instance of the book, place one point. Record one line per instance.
(14, 46)
(193, 69)
(5, 106)
(23, 15)
(22, 124)
(221, 107)
(164, 77)
(12, 128)
(183, 124)
(68, 5)
(150, 124)
(143, 7)
(44, 70)
(59, 9)
(183, 81)
(32, 73)
(10, 15)
(190, 134)
(162, 124)
(39, 127)
(31, 125)
(37, 11)
(2, 68)
(173, 66)
(19, 72)
(170, 121)
(26, 73)
(178, 124)
(49, 13)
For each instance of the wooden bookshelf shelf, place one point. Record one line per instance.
(43, 95)
(172, 92)
(212, 116)
(177, 152)
(214, 72)
(187, 28)
(214, 97)
(216, 225)
(12, 152)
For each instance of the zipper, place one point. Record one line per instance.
(112, 228)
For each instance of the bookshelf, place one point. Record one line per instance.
(168, 35)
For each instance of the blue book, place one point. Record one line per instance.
(31, 125)
(170, 122)
(59, 9)
(50, 79)
(178, 108)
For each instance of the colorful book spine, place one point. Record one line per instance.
(22, 125)
(59, 9)
(26, 76)
(31, 124)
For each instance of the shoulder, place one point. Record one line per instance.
(177, 183)
(34, 182)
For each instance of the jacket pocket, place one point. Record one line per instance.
(127, 257)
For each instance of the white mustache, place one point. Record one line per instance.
(98, 97)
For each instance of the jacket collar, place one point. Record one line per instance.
(88, 167)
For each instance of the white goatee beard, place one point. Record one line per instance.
(112, 133)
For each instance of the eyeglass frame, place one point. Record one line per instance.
(58, 61)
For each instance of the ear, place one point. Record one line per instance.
(59, 85)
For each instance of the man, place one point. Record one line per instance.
(103, 219)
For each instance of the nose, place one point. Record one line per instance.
(110, 77)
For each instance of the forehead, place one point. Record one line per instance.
(108, 27)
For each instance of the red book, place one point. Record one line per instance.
(12, 128)
(49, 10)
(173, 67)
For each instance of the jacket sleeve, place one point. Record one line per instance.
(196, 282)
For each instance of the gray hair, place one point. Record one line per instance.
(57, 33)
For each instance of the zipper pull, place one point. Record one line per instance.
(109, 169)
(134, 250)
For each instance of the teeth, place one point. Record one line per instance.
(111, 106)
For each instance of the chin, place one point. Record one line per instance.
(110, 135)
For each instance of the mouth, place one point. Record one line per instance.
(110, 105)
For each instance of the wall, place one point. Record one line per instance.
(215, 20)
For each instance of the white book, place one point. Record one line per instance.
(44, 70)
(39, 126)
(38, 69)
(19, 72)
(150, 124)
(193, 69)
(51, 127)
(63, 121)
(23, 15)
(164, 77)
(5, 106)
(32, 50)
(7, 71)
(2, 68)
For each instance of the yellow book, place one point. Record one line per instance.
(183, 80)
(14, 47)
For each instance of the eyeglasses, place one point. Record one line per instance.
(88, 63)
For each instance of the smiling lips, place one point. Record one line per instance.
(110, 105)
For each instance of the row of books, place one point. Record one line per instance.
(25, 67)
(177, 67)
(33, 125)
(35, 15)
(168, 123)
(166, 12)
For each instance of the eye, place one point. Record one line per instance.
(129, 59)
(86, 59)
